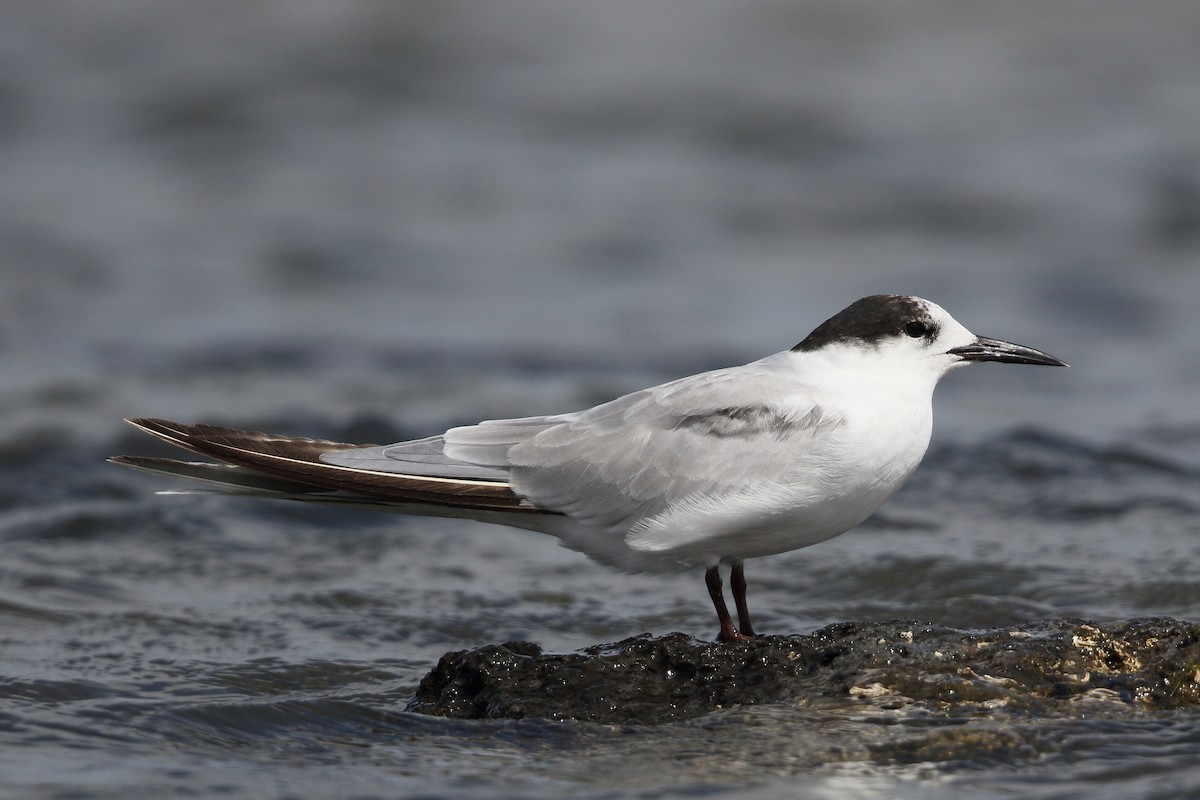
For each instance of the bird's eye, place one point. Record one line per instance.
(916, 329)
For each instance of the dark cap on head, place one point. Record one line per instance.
(869, 320)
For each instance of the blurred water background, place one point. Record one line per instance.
(374, 220)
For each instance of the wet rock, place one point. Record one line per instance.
(1142, 663)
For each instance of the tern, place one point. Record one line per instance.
(711, 469)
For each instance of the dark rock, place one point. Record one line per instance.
(1147, 663)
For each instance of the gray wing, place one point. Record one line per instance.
(418, 457)
(709, 436)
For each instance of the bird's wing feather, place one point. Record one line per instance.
(623, 462)
(296, 460)
(418, 457)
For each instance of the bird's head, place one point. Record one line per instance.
(911, 335)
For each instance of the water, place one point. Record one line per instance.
(372, 221)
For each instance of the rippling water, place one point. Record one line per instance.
(371, 223)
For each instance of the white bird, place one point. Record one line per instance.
(718, 467)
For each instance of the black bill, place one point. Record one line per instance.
(985, 349)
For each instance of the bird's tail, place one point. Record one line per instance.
(287, 467)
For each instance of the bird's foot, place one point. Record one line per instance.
(731, 634)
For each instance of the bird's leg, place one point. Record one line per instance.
(729, 632)
(737, 583)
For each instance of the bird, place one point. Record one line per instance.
(697, 473)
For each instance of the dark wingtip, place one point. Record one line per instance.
(139, 462)
(144, 463)
(152, 424)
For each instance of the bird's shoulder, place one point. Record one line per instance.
(774, 395)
